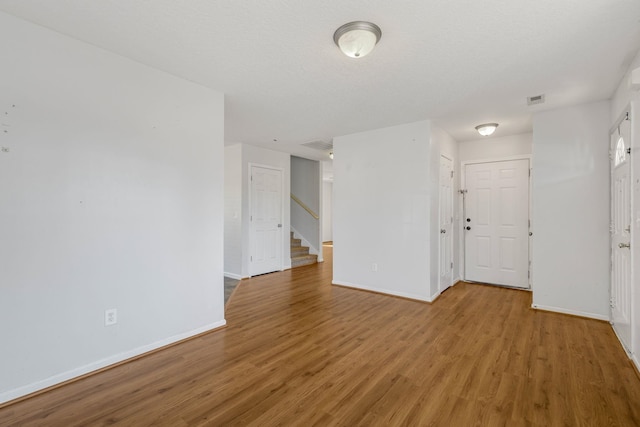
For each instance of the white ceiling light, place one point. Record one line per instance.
(357, 39)
(486, 129)
(331, 155)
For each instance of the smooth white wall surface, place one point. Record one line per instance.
(571, 210)
(381, 210)
(111, 196)
(305, 185)
(327, 211)
(625, 96)
(496, 148)
(275, 159)
(233, 211)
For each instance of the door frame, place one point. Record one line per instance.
(453, 225)
(250, 207)
(462, 193)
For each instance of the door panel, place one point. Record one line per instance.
(266, 220)
(446, 223)
(621, 233)
(496, 223)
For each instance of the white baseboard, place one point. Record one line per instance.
(572, 312)
(634, 359)
(103, 363)
(233, 276)
(381, 291)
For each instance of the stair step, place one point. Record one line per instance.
(299, 251)
(296, 242)
(299, 261)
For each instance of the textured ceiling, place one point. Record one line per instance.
(459, 62)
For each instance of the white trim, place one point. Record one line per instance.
(102, 363)
(572, 312)
(381, 291)
(498, 159)
(233, 276)
(251, 165)
(635, 361)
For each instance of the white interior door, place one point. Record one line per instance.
(496, 223)
(446, 223)
(621, 233)
(266, 220)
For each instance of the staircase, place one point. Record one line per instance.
(300, 254)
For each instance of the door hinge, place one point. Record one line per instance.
(529, 274)
(251, 257)
(629, 150)
(529, 223)
(452, 266)
(451, 174)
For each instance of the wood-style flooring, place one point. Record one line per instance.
(298, 351)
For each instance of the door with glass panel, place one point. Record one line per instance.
(621, 232)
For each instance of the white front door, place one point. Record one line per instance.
(496, 223)
(266, 220)
(621, 233)
(446, 223)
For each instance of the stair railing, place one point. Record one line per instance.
(304, 206)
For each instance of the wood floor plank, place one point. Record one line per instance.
(299, 351)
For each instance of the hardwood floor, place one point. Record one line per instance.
(298, 351)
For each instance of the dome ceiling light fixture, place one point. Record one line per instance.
(357, 39)
(486, 129)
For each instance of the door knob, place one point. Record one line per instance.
(624, 245)
(442, 231)
(468, 219)
(468, 228)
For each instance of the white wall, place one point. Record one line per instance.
(625, 96)
(381, 210)
(276, 159)
(495, 148)
(571, 210)
(233, 211)
(327, 211)
(111, 196)
(305, 185)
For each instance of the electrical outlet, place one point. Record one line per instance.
(110, 317)
(374, 267)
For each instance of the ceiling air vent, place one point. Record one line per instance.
(319, 145)
(533, 100)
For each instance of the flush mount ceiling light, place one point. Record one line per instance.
(331, 155)
(486, 129)
(357, 39)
